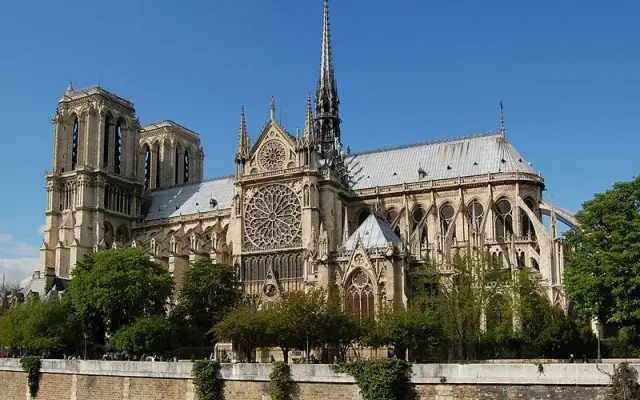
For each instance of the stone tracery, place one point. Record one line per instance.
(272, 156)
(273, 218)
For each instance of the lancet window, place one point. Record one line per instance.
(176, 166)
(107, 136)
(117, 151)
(117, 199)
(527, 225)
(284, 266)
(446, 220)
(67, 196)
(419, 222)
(504, 219)
(157, 160)
(360, 296)
(147, 168)
(74, 143)
(476, 212)
(186, 166)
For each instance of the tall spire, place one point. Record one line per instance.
(327, 118)
(308, 121)
(243, 142)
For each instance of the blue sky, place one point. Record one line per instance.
(407, 71)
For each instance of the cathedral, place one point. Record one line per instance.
(299, 210)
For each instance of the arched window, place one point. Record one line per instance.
(186, 166)
(476, 211)
(527, 225)
(105, 145)
(176, 166)
(117, 150)
(362, 215)
(147, 168)
(392, 216)
(108, 235)
(360, 298)
(74, 144)
(418, 217)
(504, 220)
(158, 166)
(446, 219)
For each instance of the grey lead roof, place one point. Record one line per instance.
(189, 199)
(465, 156)
(374, 232)
(458, 157)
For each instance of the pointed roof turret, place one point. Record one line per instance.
(308, 121)
(273, 108)
(243, 137)
(375, 233)
(69, 90)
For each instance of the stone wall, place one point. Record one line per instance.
(115, 380)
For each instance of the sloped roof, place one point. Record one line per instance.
(464, 156)
(374, 232)
(189, 199)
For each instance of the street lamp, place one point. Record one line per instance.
(598, 333)
(85, 345)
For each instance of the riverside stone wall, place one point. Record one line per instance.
(107, 380)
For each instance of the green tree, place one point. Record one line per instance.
(245, 326)
(415, 327)
(462, 288)
(209, 292)
(113, 288)
(147, 335)
(602, 277)
(296, 321)
(36, 327)
(341, 328)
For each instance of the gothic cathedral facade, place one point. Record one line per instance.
(300, 210)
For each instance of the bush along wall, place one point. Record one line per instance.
(31, 365)
(381, 379)
(281, 383)
(206, 381)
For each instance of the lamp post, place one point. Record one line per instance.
(85, 345)
(598, 333)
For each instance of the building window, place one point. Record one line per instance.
(360, 297)
(446, 220)
(176, 167)
(74, 144)
(476, 212)
(147, 167)
(117, 151)
(105, 146)
(527, 225)
(363, 215)
(186, 167)
(504, 220)
(158, 167)
(418, 219)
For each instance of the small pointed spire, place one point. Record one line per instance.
(243, 138)
(308, 122)
(502, 130)
(273, 108)
(69, 89)
(298, 133)
(345, 227)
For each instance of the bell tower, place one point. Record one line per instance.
(93, 188)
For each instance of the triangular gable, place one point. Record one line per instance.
(276, 127)
(374, 232)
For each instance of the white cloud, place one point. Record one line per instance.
(16, 269)
(17, 259)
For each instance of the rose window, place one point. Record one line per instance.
(272, 156)
(273, 218)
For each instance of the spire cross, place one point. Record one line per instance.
(502, 130)
(273, 108)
